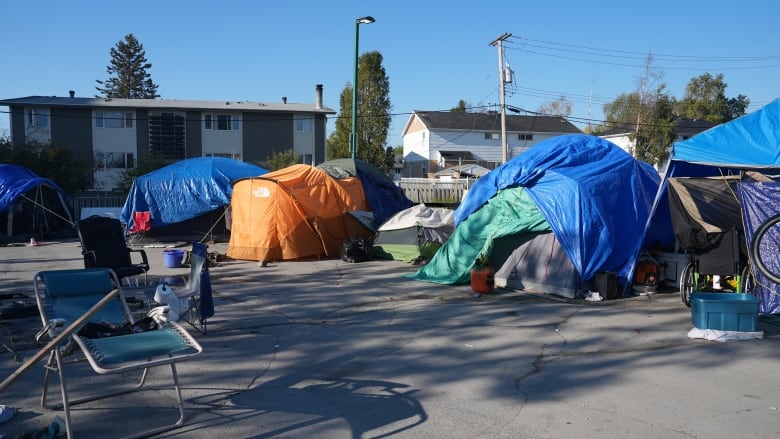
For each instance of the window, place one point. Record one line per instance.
(167, 135)
(38, 117)
(113, 119)
(492, 136)
(525, 137)
(221, 122)
(304, 125)
(226, 155)
(115, 160)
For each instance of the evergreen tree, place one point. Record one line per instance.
(461, 107)
(373, 114)
(128, 72)
(338, 140)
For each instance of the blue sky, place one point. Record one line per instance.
(435, 53)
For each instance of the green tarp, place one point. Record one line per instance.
(510, 211)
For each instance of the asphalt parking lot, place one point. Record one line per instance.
(329, 349)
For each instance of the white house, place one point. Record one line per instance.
(436, 140)
(620, 135)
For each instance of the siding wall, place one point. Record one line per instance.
(194, 134)
(265, 135)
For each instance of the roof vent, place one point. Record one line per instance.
(284, 99)
(72, 93)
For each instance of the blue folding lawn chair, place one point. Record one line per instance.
(71, 300)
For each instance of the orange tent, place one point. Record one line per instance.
(295, 212)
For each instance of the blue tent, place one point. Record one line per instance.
(185, 189)
(594, 197)
(750, 142)
(16, 180)
(42, 195)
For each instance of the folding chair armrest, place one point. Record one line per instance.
(50, 328)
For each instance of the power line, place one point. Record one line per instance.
(623, 54)
(592, 61)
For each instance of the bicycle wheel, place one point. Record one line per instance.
(687, 282)
(767, 237)
(747, 282)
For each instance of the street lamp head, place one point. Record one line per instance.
(365, 20)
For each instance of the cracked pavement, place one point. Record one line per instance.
(329, 349)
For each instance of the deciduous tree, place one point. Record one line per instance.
(559, 107)
(705, 98)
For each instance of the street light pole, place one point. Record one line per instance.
(353, 144)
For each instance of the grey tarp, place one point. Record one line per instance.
(535, 262)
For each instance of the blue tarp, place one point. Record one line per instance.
(595, 197)
(16, 180)
(750, 141)
(185, 189)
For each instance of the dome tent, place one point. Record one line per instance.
(184, 191)
(32, 206)
(293, 213)
(594, 198)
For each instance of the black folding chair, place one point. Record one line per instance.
(103, 245)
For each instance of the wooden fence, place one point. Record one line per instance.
(420, 190)
(436, 191)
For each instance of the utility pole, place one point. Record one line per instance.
(498, 42)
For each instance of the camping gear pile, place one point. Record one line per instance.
(414, 234)
(733, 151)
